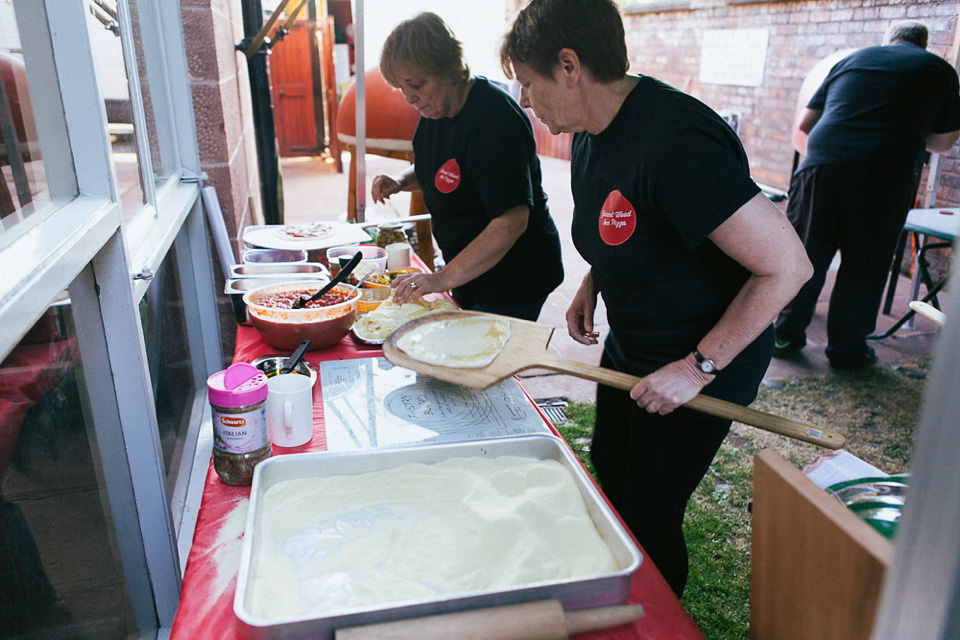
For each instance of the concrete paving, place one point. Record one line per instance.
(313, 190)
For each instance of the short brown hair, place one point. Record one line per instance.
(424, 44)
(592, 28)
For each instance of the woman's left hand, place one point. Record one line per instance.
(670, 386)
(413, 286)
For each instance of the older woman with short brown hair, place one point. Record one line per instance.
(477, 166)
(692, 260)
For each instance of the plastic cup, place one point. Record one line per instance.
(398, 255)
(290, 409)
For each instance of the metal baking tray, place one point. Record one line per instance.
(242, 285)
(581, 593)
(277, 269)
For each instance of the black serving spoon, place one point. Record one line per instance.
(291, 363)
(337, 279)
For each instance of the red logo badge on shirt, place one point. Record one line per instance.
(618, 219)
(448, 176)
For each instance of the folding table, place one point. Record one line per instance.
(942, 224)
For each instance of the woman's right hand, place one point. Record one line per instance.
(580, 314)
(413, 286)
(384, 186)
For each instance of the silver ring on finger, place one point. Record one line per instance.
(413, 285)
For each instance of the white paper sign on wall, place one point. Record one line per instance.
(733, 56)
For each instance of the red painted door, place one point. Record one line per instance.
(294, 66)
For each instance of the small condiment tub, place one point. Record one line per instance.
(581, 593)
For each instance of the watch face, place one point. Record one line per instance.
(704, 364)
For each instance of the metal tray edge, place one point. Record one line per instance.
(616, 586)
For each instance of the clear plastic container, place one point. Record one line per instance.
(390, 233)
(374, 260)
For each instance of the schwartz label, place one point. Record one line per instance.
(240, 432)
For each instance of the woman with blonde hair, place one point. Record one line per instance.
(477, 166)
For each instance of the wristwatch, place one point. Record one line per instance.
(705, 364)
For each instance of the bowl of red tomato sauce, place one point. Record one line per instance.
(324, 322)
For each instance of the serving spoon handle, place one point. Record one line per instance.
(291, 363)
(337, 279)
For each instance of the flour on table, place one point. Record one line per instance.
(226, 548)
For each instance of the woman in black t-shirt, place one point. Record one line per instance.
(692, 260)
(477, 166)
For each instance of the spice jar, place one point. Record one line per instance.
(390, 232)
(238, 397)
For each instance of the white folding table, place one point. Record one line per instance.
(939, 226)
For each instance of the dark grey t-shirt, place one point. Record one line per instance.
(879, 104)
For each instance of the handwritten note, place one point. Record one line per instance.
(733, 56)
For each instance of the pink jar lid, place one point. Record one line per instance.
(239, 385)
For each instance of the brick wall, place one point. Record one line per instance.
(666, 44)
(224, 114)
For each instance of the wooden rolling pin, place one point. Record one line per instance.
(540, 620)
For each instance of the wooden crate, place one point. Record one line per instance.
(817, 569)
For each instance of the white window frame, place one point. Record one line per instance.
(79, 241)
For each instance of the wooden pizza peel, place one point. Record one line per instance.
(527, 348)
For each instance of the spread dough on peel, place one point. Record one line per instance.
(324, 546)
(469, 342)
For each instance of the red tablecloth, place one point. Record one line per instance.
(210, 580)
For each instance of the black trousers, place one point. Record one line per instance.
(648, 465)
(859, 211)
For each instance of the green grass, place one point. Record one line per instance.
(876, 410)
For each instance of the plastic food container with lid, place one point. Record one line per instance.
(374, 259)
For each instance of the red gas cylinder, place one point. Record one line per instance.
(389, 117)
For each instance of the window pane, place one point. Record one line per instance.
(23, 185)
(161, 153)
(168, 355)
(105, 40)
(60, 573)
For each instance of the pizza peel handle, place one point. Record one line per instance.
(527, 348)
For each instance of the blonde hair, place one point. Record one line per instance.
(423, 44)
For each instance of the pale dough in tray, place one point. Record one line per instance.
(330, 544)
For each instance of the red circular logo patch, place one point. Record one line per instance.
(448, 176)
(618, 219)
